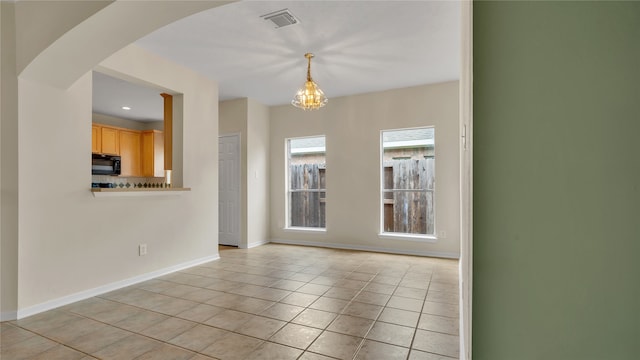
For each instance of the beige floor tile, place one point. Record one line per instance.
(302, 277)
(226, 301)
(409, 292)
(341, 293)
(295, 335)
(442, 309)
(380, 288)
(421, 355)
(314, 289)
(372, 298)
(315, 318)
(58, 352)
(167, 352)
(156, 285)
(290, 285)
(252, 305)
(336, 345)
(367, 311)
(178, 290)
(127, 348)
(270, 350)
(72, 329)
(118, 313)
(351, 284)
(387, 280)
(325, 280)
(329, 304)
(366, 277)
(399, 317)
(391, 334)
(272, 294)
(26, 349)
(173, 306)
(437, 343)
(141, 320)
(307, 355)
(299, 299)
(202, 295)
(198, 337)
(260, 327)
(229, 319)
(377, 350)
(284, 312)
(98, 339)
(10, 334)
(47, 321)
(200, 313)
(403, 303)
(232, 347)
(441, 324)
(168, 329)
(351, 325)
(442, 296)
(442, 286)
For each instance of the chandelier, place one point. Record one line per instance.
(309, 97)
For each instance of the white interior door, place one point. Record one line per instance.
(229, 190)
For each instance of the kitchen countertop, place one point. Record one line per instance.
(114, 192)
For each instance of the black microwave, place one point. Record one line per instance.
(105, 164)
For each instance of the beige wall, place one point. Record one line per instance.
(257, 174)
(71, 242)
(250, 119)
(9, 162)
(352, 126)
(126, 123)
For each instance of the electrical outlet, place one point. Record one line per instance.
(142, 249)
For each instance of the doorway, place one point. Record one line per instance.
(229, 190)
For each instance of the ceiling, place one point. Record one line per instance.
(359, 46)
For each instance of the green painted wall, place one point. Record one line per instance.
(556, 180)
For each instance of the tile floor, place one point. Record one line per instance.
(270, 302)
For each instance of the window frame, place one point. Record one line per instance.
(288, 191)
(382, 234)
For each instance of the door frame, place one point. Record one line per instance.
(241, 188)
(466, 180)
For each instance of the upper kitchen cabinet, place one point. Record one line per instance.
(104, 140)
(152, 153)
(110, 141)
(130, 149)
(96, 139)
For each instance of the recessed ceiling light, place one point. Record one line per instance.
(126, 108)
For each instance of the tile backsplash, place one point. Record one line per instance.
(131, 182)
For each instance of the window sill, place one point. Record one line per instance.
(408, 237)
(305, 229)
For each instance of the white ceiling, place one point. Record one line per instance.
(359, 46)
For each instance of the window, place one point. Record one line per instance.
(407, 181)
(306, 182)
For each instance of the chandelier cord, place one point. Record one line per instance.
(308, 56)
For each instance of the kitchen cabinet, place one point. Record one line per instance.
(104, 140)
(152, 153)
(130, 152)
(109, 141)
(96, 139)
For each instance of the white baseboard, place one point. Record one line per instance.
(440, 254)
(65, 300)
(8, 316)
(256, 244)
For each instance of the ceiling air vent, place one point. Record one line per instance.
(281, 18)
